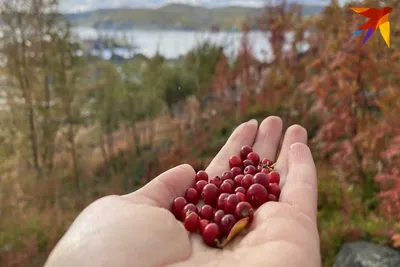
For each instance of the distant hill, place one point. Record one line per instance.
(173, 16)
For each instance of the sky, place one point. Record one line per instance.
(86, 5)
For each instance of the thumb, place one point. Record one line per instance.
(163, 189)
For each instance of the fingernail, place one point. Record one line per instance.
(253, 121)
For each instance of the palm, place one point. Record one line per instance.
(138, 230)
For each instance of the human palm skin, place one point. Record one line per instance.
(139, 230)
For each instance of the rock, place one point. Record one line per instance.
(365, 254)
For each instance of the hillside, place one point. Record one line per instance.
(173, 16)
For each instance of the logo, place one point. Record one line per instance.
(377, 19)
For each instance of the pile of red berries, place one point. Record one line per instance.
(215, 206)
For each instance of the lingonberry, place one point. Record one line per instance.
(264, 170)
(244, 151)
(200, 185)
(266, 162)
(216, 180)
(235, 161)
(247, 162)
(274, 190)
(230, 203)
(201, 176)
(274, 177)
(243, 210)
(189, 208)
(226, 187)
(257, 195)
(231, 182)
(227, 223)
(247, 181)
(192, 222)
(218, 216)
(250, 170)
(254, 157)
(271, 197)
(192, 196)
(238, 180)
(210, 194)
(240, 189)
(203, 224)
(207, 212)
(262, 179)
(241, 196)
(227, 175)
(221, 201)
(259, 168)
(236, 171)
(177, 206)
(211, 234)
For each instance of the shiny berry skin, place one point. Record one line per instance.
(200, 185)
(231, 182)
(274, 190)
(254, 157)
(266, 162)
(235, 161)
(262, 179)
(236, 171)
(231, 203)
(221, 201)
(247, 181)
(207, 212)
(226, 187)
(244, 151)
(227, 175)
(243, 210)
(192, 222)
(218, 216)
(271, 197)
(203, 224)
(201, 176)
(259, 168)
(238, 180)
(216, 180)
(211, 234)
(274, 177)
(257, 195)
(192, 196)
(241, 189)
(227, 223)
(177, 206)
(247, 162)
(250, 170)
(210, 194)
(189, 208)
(242, 197)
(264, 170)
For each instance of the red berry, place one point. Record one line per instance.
(238, 180)
(247, 181)
(264, 170)
(259, 168)
(218, 216)
(243, 210)
(257, 195)
(274, 190)
(262, 179)
(244, 151)
(231, 182)
(200, 185)
(211, 234)
(192, 222)
(189, 208)
(177, 206)
(227, 175)
(250, 170)
(210, 194)
(254, 157)
(192, 196)
(236, 171)
(203, 224)
(247, 162)
(235, 161)
(274, 177)
(207, 212)
(271, 197)
(230, 203)
(241, 189)
(227, 223)
(216, 180)
(226, 187)
(242, 197)
(267, 162)
(201, 175)
(221, 201)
